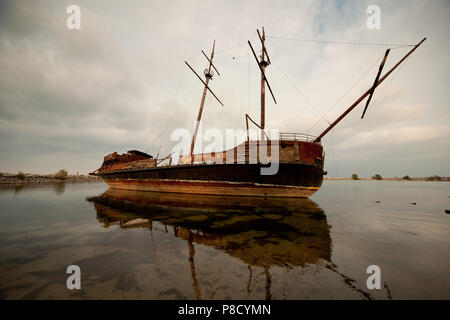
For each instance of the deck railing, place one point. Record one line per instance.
(296, 136)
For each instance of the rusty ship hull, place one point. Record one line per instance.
(291, 180)
(299, 172)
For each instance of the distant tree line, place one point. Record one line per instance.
(434, 178)
(407, 177)
(60, 175)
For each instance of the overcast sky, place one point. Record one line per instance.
(69, 97)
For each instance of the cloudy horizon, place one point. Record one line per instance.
(70, 97)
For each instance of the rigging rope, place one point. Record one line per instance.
(237, 45)
(394, 46)
(233, 47)
(171, 116)
(354, 84)
(389, 82)
(381, 92)
(248, 81)
(301, 94)
(343, 42)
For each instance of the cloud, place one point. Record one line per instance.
(67, 98)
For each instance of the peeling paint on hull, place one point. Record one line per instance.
(212, 188)
(295, 180)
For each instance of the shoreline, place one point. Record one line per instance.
(442, 179)
(27, 179)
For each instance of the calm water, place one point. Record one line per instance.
(226, 248)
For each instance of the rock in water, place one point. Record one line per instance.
(136, 223)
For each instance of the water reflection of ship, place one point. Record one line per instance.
(284, 232)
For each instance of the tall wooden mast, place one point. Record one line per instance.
(369, 91)
(263, 63)
(208, 76)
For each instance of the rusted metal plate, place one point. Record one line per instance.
(211, 188)
(250, 152)
(233, 172)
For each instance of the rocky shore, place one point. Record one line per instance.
(391, 179)
(27, 178)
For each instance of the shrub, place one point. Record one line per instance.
(406, 178)
(377, 177)
(61, 174)
(434, 178)
(20, 175)
(355, 176)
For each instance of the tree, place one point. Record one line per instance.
(20, 175)
(406, 178)
(61, 174)
(434, 178)
(377, 177)
(355, 176)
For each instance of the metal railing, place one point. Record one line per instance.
(296, 136)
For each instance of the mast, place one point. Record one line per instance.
(208, 76)
(262, 66)
(263, 63)
(375, 82)
(367, 92)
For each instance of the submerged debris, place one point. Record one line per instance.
(136, 223)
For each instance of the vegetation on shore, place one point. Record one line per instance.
(379, 177)
(20, 175)
(435, 178)
(58, 177)
(61, 174)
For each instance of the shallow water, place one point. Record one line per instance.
(226, 248)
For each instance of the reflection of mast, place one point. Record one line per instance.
(249, 279)
(195, 286)
(268, 283)
(307, 242)
(349, 282)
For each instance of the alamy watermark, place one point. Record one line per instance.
(374, 20)
(209, 146)
(73, 21)
(374, 280)
(74, 280)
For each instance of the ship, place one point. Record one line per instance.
(239, 171)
